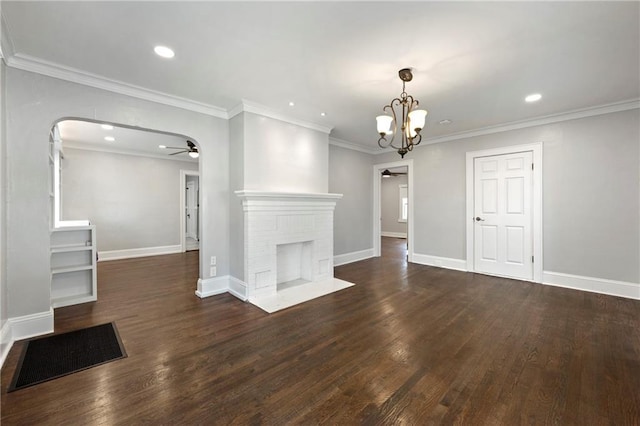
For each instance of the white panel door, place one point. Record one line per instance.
(192, 209)
(503, 242)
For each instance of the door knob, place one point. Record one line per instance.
(478, 219)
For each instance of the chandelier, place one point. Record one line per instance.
(412, 120)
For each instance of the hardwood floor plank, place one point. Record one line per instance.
(408, 344)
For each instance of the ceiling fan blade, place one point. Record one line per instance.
(387, 172)
(179, 152)
(174, 147)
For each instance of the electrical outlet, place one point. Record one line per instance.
(213, 260)
(213, 271)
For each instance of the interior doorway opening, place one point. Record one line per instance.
(190, 210)
(394, 203)
(399, 209)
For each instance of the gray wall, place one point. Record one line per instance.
(591, 194)
(280, 156)
(3, 170)
(271, 155)
(350, 174)
(390, 204)
(236, 183)
(134, 201)
(34, 103)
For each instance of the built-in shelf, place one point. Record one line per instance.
(73, 265)
(72, 300)
(70, 247)
(71, 269)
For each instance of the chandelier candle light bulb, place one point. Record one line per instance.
(412, 119)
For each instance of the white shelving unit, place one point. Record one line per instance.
(73, 265)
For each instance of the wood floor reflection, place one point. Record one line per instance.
(408, 344)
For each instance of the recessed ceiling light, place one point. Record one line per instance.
(445, 121)
(162, 146)
(109, 138)
(291, 104)
(164, 51)
(323, 114)
(107, 126)
(533, 98)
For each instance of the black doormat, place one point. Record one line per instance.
(48, 358)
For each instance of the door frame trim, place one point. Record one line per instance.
(536, 210)
(183, 201)
(377, 212)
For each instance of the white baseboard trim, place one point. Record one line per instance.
(343, 259)
(212, 286)
(6, 341)
(218, 285)
(238, 288)
(594, 285)
(31, 325)
(138, 252)
(440, 262)
(24, 327)
(394, 234)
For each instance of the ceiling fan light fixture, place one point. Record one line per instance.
(190, 149)
(386, 173)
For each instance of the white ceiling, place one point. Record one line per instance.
(89, 135)
(474, 62)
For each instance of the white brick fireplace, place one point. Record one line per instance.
(288, 242)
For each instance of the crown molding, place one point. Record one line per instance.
(514, 125)
(350, 145)
(236, 110)
(255, 108)
(89, 147)
(6, 43)
(51, 69)
(538, 121)
(40, 66)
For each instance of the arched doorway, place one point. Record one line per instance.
(115, 194)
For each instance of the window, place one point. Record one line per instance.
(403, 205)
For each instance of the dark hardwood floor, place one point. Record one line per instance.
(409, 344)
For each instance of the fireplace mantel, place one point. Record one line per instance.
(273, 220)
(250, 195)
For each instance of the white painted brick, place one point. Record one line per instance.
(286, 222)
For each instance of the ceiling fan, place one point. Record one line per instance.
(386, 173)
(191, 149)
